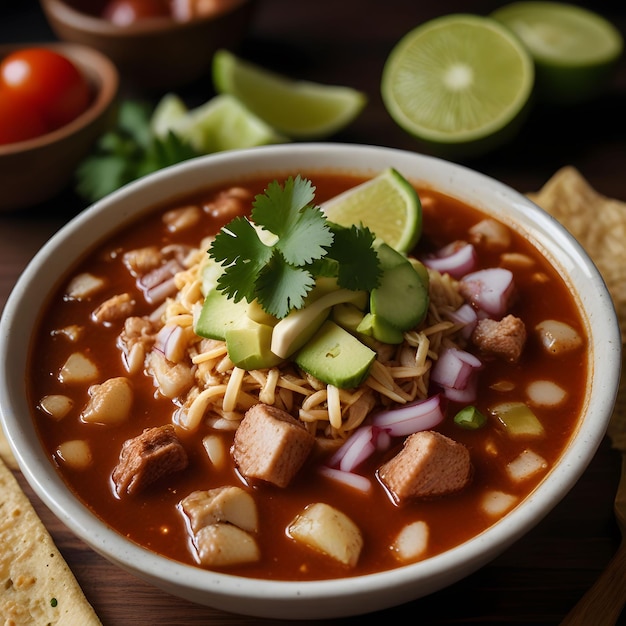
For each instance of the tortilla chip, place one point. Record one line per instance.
(37, 585)
(5, 452)
(597, 222)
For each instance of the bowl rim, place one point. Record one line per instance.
(89, 61)
(303, 599)
(63, 12)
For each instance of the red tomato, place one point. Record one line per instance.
(48, 81)
(19, 121)
(126, 12)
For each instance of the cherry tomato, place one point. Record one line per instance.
(48, 81)
(126, 12)
(19, 121)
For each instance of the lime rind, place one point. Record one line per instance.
(459, 80)
(575, 50)
(297, 109)
(387, 204)
(562, 34)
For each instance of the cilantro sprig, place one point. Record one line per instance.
(127, 152)
(276, 255)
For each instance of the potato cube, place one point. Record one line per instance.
(328, 530)
(220, 545)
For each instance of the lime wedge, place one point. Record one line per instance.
(298, 109)
(222, 123)
(387, 204)
(574, 49)
(459, 83)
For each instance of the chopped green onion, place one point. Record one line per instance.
(470, 417)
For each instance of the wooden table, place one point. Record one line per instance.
(346, 42)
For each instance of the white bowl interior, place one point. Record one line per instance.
(319, 599)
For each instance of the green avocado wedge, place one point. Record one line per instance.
(336, 357)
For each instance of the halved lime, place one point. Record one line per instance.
(460, 83)
(298, 109)
(222, 123)
(575, 50)
(387, 204)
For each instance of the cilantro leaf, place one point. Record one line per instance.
(238, 247)
(127, 152)
(305, 245)
(282, 287)
(358, 267)
(301, 227)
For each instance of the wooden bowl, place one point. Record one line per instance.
(157, 53)
(35, 170)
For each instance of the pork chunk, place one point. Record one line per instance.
(148, 457)
(429, 464)
(115, 308)
(504, 338)
(271, 445)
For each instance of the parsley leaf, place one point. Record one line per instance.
(305, 245)
(127, 152)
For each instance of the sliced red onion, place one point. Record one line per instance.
(359, 447)
(383, 440)
(157, 294)
(488, 289)
(454, 368)
(159, 283)
(456, 260)
(466, 316)
(466, 395)
(347, 478)
(411, 418)
(355, 449)
(168, 341)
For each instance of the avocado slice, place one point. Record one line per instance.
(336, 357)
(218, 314)
(248, 345)
(293, 331)
(373, 325)
(347, 315)
(401, 299)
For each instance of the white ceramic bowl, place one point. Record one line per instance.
(325, 599)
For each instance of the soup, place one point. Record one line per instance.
(124, 322)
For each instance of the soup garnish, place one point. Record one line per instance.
(409, 402)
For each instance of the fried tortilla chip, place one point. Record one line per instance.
(37, 585)
(597, 222)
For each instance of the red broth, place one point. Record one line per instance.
(152, 518)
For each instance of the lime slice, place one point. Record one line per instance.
(459, 83)
(387, 204)
(298, 109)
(574, 49)
(222, 123)
(169, 111)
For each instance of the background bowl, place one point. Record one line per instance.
(318, 599)
(34, 170)
(158, 53)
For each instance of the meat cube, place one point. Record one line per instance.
(504, 338)
(142, 260)
(116, 308)
(429, 464)
(271, 445)
(148, 457)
